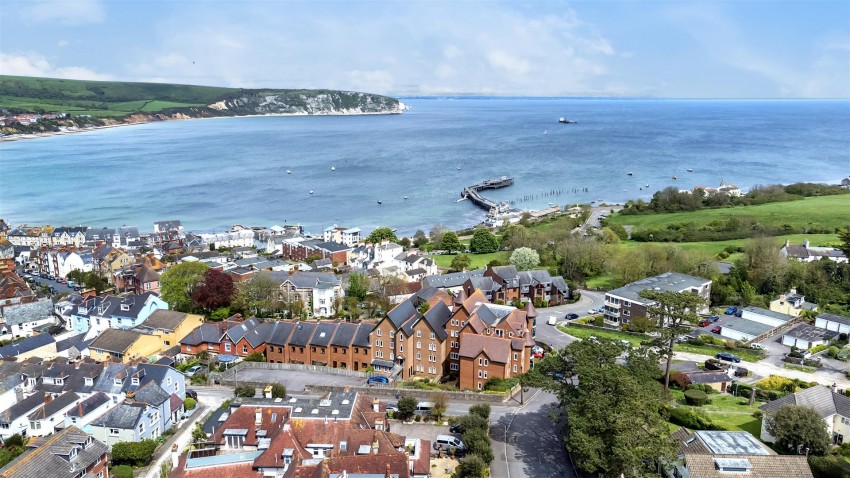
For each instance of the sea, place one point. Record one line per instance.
(407, 171)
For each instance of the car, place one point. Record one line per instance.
(77, 288)
(377, 379)
(392, 407)
(591, 311)
(192, 394)
(716, 329)
(552, 320)
(728, 357)
(713, 318)
(456, 428)
(703, 322)
(52, 290)
(446, 442)
(731, 310)
(739, 313)
(63, 281)
(71, 284)
(194, 369)
(571, 316)
(758, 346)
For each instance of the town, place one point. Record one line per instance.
(270, 351)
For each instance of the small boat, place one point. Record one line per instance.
(458, 167)
(311, 191)
(630, 173)
(333, 168)
(674, 177)
(288, 172)
(545, 131)
(565, 121)
(379, 202)
(405, 197)
(690, 170)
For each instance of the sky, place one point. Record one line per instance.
(679, 49)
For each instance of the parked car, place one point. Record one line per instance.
(552, 320)
(392, 407)
(713, 318)
(571, 316)
(731, 310)
(703, 322)
(758, 346)
(446, 442)
(63, 281)
(194, 369)
(716, 329)
(456, 428)
(739, 312)
(192, 394)
(377, 379)
(728, 357)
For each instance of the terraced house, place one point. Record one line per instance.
(504, 284)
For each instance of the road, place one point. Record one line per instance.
(594, 220)
(551, 336)
(60, 288)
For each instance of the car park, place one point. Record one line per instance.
(731, 310)
(716, 329)
(728, 357)
(739, 312)
(380, 379)
(447, 442)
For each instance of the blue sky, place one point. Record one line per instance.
(692, 49)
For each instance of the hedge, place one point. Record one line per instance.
(133, 453)
(696, 397)
(693, 418)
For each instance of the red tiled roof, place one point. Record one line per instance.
(497, 349)
(237, 470)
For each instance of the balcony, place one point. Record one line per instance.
(612, 313)
(612, 305)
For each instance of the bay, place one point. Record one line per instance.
(212, 174)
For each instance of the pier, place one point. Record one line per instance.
(472, 192)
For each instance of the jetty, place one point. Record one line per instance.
(473, 192)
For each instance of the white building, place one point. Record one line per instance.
(808, 253)
(236, 237)
(347, 236)
(836, 323)
(764, 316)
(21, 320)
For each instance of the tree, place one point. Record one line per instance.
(278, 391)
(671, 311)
(844, 237)
(216, 290)
(609, 236)
(404, 242)
(480, 409)
(450, 242)
(440, 402)
(796, 428)
(189, 403)
(473, 421)
(471, 466)
(437, 232)
(407, 407)
(198, 434)
(245, 391)
(260, 295)
(615, 418)
(381, 234)
(483, 242)
(419, 238)
(525, 258)
(515, 236)
(255, 357)
(477, 443)
(460, 262)
(177, 284)
(358, 286)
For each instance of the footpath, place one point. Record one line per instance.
(181, 437)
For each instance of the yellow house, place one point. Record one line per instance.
(169, 326)
(792, 304)
(119, 259)
(125, 345)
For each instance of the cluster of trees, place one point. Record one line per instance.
(193, 286)
(12, 448)
(732, 228)
(670, 199)
(88, 280)
(479, 453)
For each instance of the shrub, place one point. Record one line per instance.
(696, 397)
(245, 391)
(481, 409)
(828, 466)
(693, 418)
(775, 382)
(833, 352)
(473, 422)
(278, 391)
(255, 357)
(757, 413)
(471, 466)
(199, 379)
(121, 471)
(417, 418)
(598, 321)
(679, 379)
(189, 403)
(133, 453)
(703, 387)
(406, 407)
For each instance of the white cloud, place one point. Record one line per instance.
(67, 12)
(444, 71)
(37, 65)
(451, 52)
(505, 61)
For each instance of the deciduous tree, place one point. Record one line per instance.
(419, 238)
(215, 291)
(795, 427)
(450, 242)
(483, 242)
(515, 236)
(358, 286)
(380, 234)
(460, 262)
(178, 283)
(436, 233)
(525, 258)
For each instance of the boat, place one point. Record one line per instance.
(565, 121)
(311, 191)
(545, 131)
(630, 173)
(333, 168)
(288, 172)
(674, 177)
(405, 197)
(379, 202)
(690, 170)
(458, 167)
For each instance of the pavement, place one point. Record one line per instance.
(181, 439)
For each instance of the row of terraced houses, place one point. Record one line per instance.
(431, 334)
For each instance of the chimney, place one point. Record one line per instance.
(258, 416)
(375, 445)
(376, 405)
(806, 244)
(387, 474)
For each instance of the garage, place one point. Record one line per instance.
(804, 336)
(744, 330)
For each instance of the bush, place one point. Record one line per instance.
(199, 379)
(417, 418)
(473, 422)
(696, 397)
(133, 453)
(775, 382)
(598, 321)
(693, 418)
(189, 403)
(121, 471)
(278, 391)
(245, 391)
(255, 357)
(703, 387)
(477, 442)
(679, 380)
(828, 466)
(833, 352)
(481, 409)
(406, 407)
(470, 467)
(757, 413)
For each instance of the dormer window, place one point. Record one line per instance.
(89, 381)
(134, 380)
(58, 381)
(125, 307)
(116, 381)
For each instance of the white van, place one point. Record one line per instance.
(552, 320)
(445, 442)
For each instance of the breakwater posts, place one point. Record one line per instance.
(472, 192)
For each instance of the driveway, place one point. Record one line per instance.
(294, 381)
(423, 431)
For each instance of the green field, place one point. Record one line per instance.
(478, 260)
(827, 211)
(716, 247)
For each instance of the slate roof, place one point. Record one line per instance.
(54, 406)
(236, 333)
(332, 246)
(497, 349)
(106, 381)
(259, 334)
(822, 399)
(30, 312)
(164, 320)
(115, 340)
(88, 405)
(155, 372)
(749, 327)
(27, 345)
(810, 333)
(323, 334)
(835, 318)
(768, 313)
(215, 420)
(124, 416)
(344, 335)
(23, 407)
(151, 394)
(76, 341)
(280, 332)
(454, 279)
(769, 466)
(208, 332)
(110, 305)
(401, 313)
(302, 333)
(11, 373)
(51, 459)
(361, 339)
(669, 281)
(305, 280)
(73, 377)
(437, 316)
(708, 377)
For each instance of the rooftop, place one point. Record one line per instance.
(749, 327)
(669, 281)
(810, 333)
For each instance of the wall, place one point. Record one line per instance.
(420, 395)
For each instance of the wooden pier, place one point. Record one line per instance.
(472, 192)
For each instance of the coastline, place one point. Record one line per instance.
(9, 139)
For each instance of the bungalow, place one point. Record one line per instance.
(44, 420)
(832, 322)
(833, 407)
(42, 346)
(718, 380)
(125, 345)
(807, 253)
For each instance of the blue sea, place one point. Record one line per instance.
(214, 173)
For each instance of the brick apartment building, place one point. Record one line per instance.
(504, 284)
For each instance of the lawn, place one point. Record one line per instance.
(478, 260)
(731, 412)
(709, 350)
(826, 211)
(582, 333)
(715, 247)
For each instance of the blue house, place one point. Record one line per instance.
(96, 314)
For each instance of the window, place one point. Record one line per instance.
(500, 333)
(418, 334)
(312, 349)
(379, 333)
(454, 367)
(485, 374)
(516, 356)
(293, 348)
(418, 345)
(379, 343)
(418, 356)
(392, 334)
(845, 421)
(486, 362)
(392, 345)
(116, 381)
(392, 356)
(134, 380)
(166, 342)
(433, 336)
(479, 374)
(400, 337)
(113, 432)
(514, 368)
(335, 350)
(244, 349)
(58, 381)
(432, 347)
(400, 347)
(227, 347)
(141, 428)
(454, 355)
